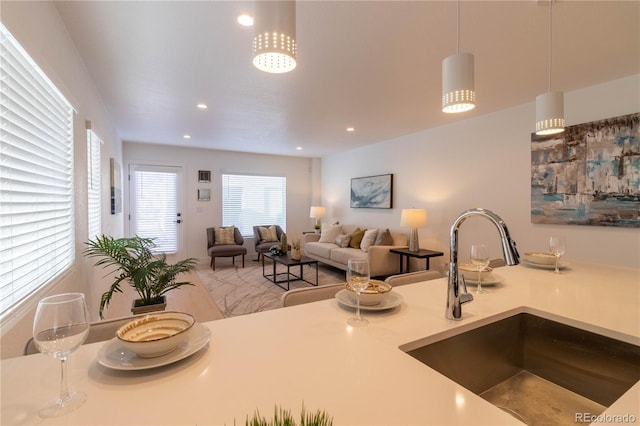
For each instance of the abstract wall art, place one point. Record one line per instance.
(588, 175)
(373, 192)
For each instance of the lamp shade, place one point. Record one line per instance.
(550, 113)
(274, 41)
(317, 212)
(413, 218)
(458, 93)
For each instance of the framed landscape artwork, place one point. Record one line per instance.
(373, 192)
(588, 175)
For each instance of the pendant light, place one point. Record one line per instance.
(458, 94)
(550, 105)
(274, 42)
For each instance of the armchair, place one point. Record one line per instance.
(225, 250)
(263, 245)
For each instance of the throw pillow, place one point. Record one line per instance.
(356, 238)
(225, 236)
(268, 234)
(384, 238)
(328, 233)
(342, 240)
(368, 239)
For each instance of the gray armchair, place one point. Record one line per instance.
(225, 250)
(264, 246)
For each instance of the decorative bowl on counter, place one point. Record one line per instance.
(155, 334)
(471, 273)
(540, 258)
(374, 294)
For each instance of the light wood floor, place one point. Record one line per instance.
(194, 300)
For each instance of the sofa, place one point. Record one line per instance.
(336, 244)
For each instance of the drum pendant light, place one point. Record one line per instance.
(274, 42)
(550, 105)
(458, 94)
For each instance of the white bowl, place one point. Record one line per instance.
(374, 294)
(540, 258)
(470, 272)
(155, 334)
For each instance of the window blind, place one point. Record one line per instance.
(36, 177)
(249, 200)
(94, 190)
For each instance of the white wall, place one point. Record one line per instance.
(199, 215)
(481, 162)
(39, 29)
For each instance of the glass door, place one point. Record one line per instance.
(156, 210)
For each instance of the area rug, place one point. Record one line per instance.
(241, 291)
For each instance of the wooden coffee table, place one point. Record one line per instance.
(286, 260)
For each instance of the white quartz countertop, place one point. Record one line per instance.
(308, 354)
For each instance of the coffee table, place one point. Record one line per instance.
(286, 260)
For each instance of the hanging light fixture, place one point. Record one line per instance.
(274, 41)
(550, 105)
(458, 94)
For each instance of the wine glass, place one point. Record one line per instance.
(60, 326)
(557, 247)
(358, 280)
(480, 259)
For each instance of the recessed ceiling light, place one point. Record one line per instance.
(299, 148)
(202, 106)
(187, 136)
(245, 20)
(351, 129)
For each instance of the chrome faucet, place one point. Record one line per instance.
(455, 298)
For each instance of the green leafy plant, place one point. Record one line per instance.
(134, 261)
(282, 417)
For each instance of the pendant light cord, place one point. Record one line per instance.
(458, 26)
(550, 40)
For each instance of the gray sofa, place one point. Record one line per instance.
(381, 261)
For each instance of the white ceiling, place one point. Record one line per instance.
(374, 65)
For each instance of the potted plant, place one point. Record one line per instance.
(134, 261)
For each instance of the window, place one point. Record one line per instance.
(94, 192)
(36, 177)
(249, 200)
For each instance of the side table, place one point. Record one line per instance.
(420, 254)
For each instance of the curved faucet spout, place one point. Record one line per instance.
(455, 298)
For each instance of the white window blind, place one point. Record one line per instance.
(94, 191)
(155, 208)
(249, 200)
(36, 177)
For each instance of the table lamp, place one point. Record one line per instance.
(414, 219)
(317, 213)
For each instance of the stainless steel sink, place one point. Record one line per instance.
(540, 371)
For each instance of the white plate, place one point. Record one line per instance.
(346, 298)
(492, 279)
(561, 265)
(114, 355)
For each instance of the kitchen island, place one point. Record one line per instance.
(308, 354)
